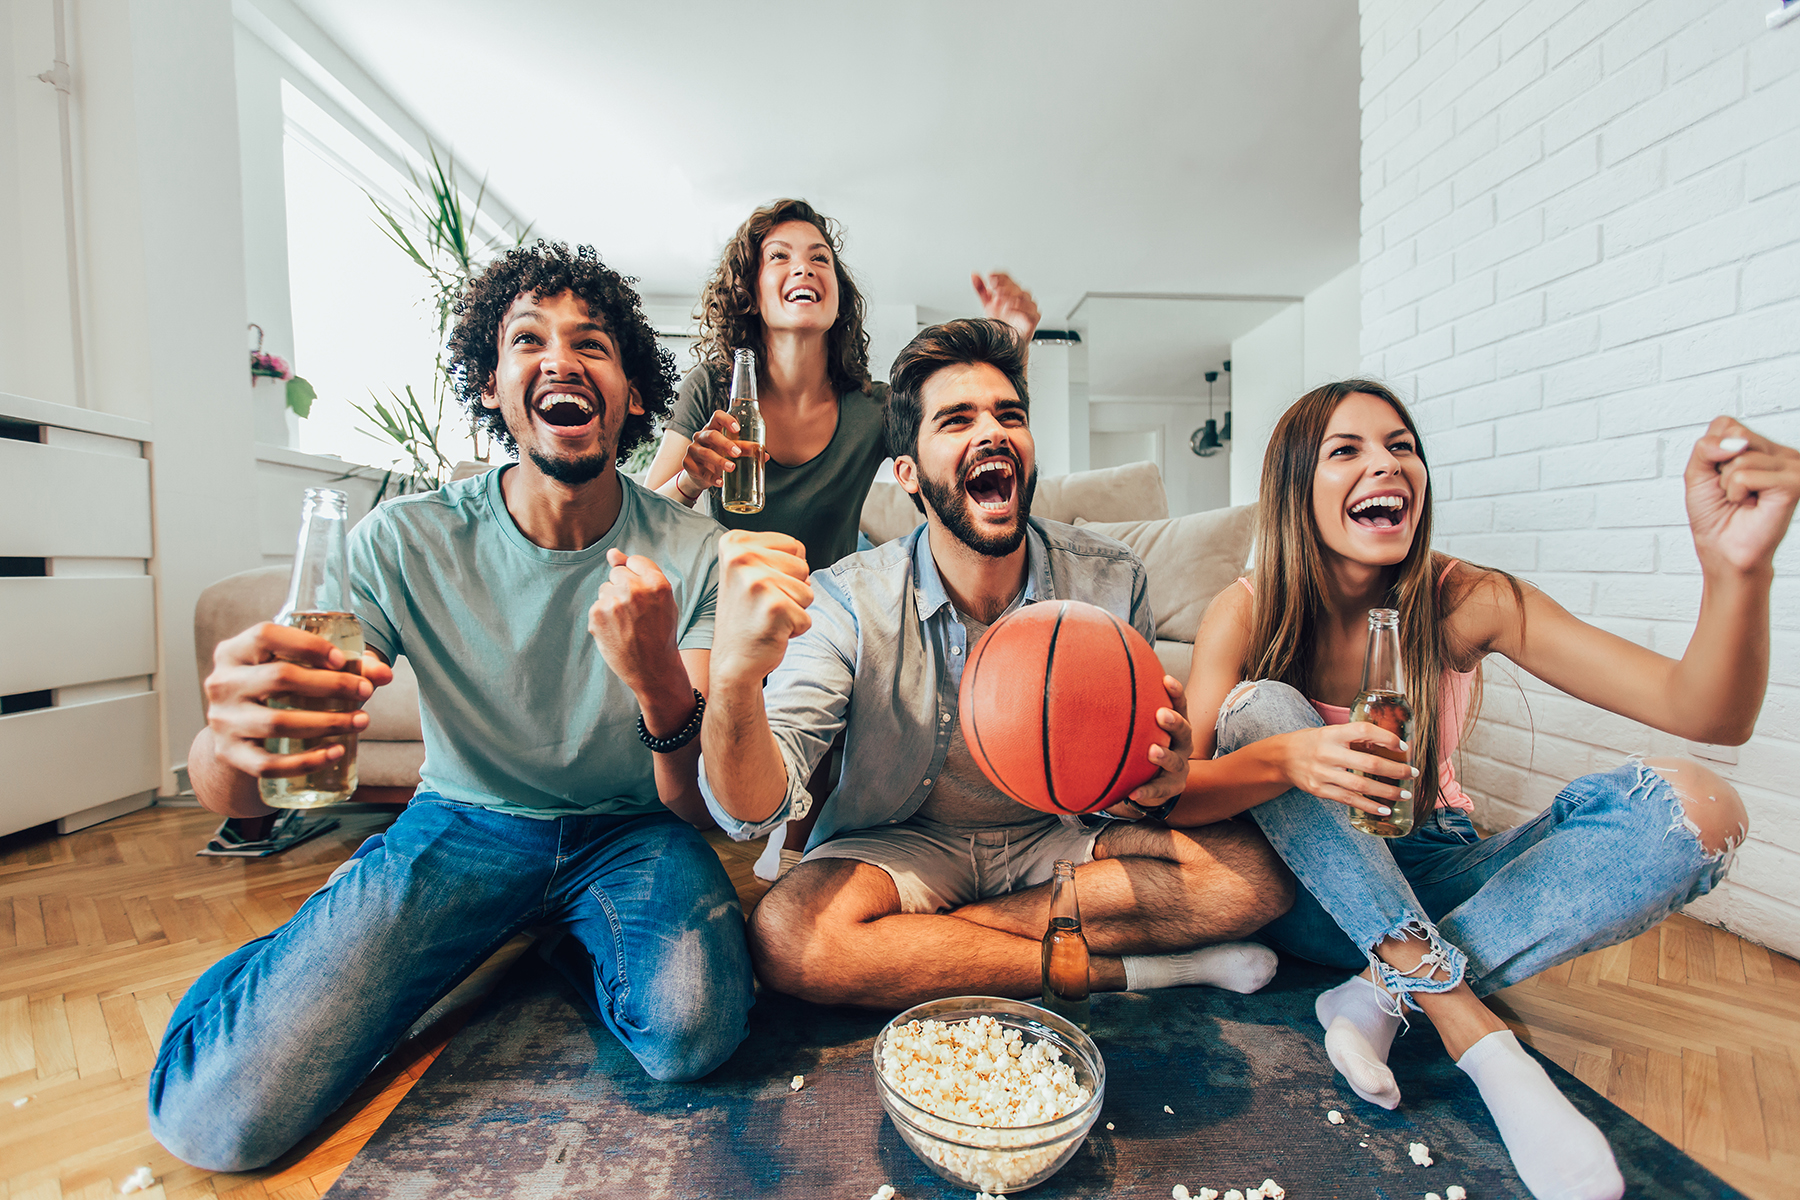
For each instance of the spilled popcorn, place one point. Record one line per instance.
(1455, 1192)
(884, 1192)
(1335, 1117)
(980, 1072)
(1272, 1190)
(1207, 1193)
(1420, 1153)
(1268, 1189)
(1109, 1124)
(139, 1180)
(985, 1196)
(1179, 1192)
(798, 1082)
(1168, 1110)
(1234, 1194)
(1433, 1196)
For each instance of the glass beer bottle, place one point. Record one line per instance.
(1382, 701)
(1065, 951)
(742, 490)
(318, 601)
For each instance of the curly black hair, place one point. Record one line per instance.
(549, 269)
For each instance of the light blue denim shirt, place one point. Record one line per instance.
(883, 662)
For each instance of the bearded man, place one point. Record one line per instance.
(921, 879)
(558, 617)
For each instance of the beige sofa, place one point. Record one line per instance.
(1189, 559)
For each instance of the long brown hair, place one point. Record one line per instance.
(1290, 578)
(728, 316)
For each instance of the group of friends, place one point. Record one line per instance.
(605, 671)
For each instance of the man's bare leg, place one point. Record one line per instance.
(832, 930)
(1151, 890)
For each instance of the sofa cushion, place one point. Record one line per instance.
(1131, 492)
(1189, 559)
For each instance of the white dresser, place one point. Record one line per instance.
(79, 719)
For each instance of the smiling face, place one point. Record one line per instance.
(796, 285)
(977, 463)
(1369, 485)
(560, 387)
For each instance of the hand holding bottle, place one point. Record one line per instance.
(1331, 763)
(268, 661)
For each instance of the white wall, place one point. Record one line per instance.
(1268, 367)
(1316, 341)
(1581, 241)
(1193, 484)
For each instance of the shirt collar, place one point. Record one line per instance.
(929, 585)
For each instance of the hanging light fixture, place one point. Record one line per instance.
(1205, 440)
(1225, 426)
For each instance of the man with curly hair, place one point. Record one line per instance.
(559, 618)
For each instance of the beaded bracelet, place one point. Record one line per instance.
(680, 737)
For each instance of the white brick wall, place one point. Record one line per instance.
(1581, 241)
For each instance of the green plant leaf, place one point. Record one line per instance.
(300, 396)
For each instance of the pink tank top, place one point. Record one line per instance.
(1454, 694)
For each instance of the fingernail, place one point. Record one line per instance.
(1405, 795)
(1405, 746)
(1415, 772)
(1734, 445)
(1385, 811)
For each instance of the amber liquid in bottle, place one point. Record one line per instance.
(742, 490)
(1382, 701)
(1065, 951)
(318, 602)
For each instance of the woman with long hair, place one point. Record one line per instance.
(1439, 918)
(782, 290)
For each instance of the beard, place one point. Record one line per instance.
(950, 501)
(572, 471)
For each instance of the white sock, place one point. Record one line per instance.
(768, 864)
(1558, 1152)
(1358, 1034)
(1235, 966)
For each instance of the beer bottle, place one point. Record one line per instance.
(1065, 951)
(1382, 701)
(742, 490)
(318, 601)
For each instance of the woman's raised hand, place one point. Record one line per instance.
(1741, 491)
(1321, 761)
(1004, 300)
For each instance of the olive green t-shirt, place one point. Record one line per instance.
(818, 501)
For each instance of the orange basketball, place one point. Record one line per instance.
(1059, 705)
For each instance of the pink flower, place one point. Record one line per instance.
(271, 366)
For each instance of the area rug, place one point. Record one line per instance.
(535, 1098)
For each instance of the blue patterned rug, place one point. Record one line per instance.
(534, 1098)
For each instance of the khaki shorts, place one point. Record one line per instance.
(937, 869)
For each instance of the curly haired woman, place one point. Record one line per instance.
(1444, 917)
(782, 290)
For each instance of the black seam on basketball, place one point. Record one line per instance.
(987, 764)
(1131, 725)
(1049, 671)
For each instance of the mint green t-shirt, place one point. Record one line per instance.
(520, 712)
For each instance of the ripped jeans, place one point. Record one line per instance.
(277, 1034)
(1612, 856)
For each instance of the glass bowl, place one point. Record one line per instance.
(985, 1158)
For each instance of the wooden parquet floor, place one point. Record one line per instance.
(1692, 1030)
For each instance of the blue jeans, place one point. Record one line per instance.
(1612, 856)
(277, 1034)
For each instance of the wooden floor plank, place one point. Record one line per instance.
(1742, 1108)
(1778, 1087)
(1702, 1105)
(51, 1041)
(16, 1053)
(1625, 1081)
(1663, 1087)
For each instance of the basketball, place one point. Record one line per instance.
(1058, 705)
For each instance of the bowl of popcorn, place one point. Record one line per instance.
(994, 1095)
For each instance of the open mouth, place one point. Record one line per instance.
(990, 484)
(802, 295)
(1384, 511)
(565, 409)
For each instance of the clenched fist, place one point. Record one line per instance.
(633, 622)
(763, 595)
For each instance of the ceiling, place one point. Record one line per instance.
(1202, 146)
